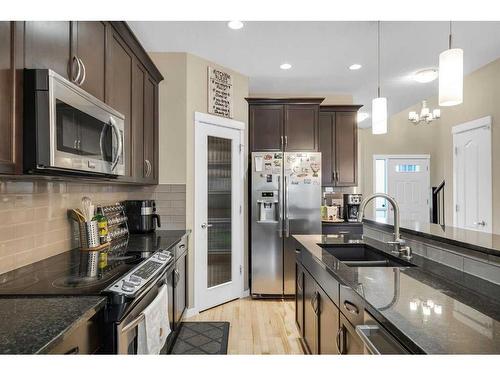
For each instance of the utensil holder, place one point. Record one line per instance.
(89, 234)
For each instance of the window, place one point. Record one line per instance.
(381, 187)
(407, 168)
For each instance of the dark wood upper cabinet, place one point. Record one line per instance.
(284, 124)
(326, 146)
(117, 71)
(151, 143)
(338, 144)
(120, 61)
(301, 127)
(138, 79)
(266, 127)
(6, 93)
(11, 69)
(90, 48)
(48, 46)
(346, 148)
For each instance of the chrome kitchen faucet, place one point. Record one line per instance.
(399, 245)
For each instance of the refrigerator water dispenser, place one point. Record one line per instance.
(268, 207)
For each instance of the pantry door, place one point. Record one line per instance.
(218, 222)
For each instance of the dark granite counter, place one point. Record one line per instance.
(36, 325)
(483, 242)
(430, 308)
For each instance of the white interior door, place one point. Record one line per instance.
(218, 211)
(472, 175)
(408, 180)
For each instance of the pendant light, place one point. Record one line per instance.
(451, 75)
(379, 104)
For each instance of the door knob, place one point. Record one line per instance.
(205, 225)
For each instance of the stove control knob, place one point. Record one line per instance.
(162, 257)
(128, 287)
(134, 280)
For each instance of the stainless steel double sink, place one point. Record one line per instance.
(365, 256)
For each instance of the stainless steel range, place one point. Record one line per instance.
(129, 274)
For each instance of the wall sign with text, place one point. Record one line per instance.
(220, 93)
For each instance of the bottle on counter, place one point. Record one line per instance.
(102, 225)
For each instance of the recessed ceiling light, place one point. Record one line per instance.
(355, 67)
(425, 75)
(362, 116)
(235, 25)
(285, 66)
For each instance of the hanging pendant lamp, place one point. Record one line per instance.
(451, 75)
(379, 104)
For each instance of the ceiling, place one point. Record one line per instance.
(321, 52)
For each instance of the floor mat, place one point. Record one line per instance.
(202, 338)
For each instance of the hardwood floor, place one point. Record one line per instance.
(257, 326)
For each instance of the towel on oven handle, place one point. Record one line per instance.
(155, 328)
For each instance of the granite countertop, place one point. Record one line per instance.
(488, 243)
(465, 312)
(36, 325)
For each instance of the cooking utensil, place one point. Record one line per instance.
(77, 215)
(87, 208)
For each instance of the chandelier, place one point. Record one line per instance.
(425, 114)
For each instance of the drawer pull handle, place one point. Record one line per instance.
(351, 307)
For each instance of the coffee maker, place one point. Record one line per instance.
(351, 206)
(141, 216)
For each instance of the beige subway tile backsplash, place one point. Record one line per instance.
(33, 214)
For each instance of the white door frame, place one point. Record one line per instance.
(207, 119)
(386, 157)
(483, 122)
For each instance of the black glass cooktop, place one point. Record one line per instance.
(74, 272)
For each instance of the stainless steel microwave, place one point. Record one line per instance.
(67, 130)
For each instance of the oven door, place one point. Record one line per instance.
(127, 329)
(86, 134)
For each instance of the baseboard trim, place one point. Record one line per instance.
(192, 312)
(245, 293)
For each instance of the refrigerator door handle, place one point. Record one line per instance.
(287, 221)
(280, 208)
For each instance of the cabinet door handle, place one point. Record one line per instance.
(281, 141)
(74, 78)
(74, 350)
(84, 72)
(148, 167)
(286, 141)
(351, 307)
(338, 340)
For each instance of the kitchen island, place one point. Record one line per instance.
(426, 307)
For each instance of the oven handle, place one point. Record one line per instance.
(120, 142)
(134, 323)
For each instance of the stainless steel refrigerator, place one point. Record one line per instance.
(286, 200)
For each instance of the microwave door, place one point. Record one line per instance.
(119, 142)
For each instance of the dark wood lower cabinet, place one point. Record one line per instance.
(318, 314)
(180, 275)
(348, 339)
(328, 314)
(311, 324)
(299, 297)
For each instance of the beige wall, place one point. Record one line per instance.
(172, 109)
(184, 92)
(481, 98)
(197, 101)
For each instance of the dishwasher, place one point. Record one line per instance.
(376, 340)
